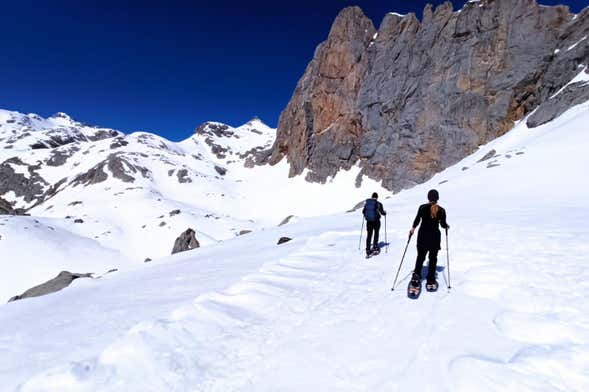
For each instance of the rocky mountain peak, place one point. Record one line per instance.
(415, 97)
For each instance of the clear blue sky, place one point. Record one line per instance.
(167, 66)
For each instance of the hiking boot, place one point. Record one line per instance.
(416, 280)
(431, 285)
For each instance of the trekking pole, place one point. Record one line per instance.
(448, 260)
(402, 258)
(361, 231)
(385, 234)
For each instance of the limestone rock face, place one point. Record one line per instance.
(413, 98)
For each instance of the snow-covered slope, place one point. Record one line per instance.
(132, 195)
(313, 314)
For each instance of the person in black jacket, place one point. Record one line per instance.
(372, 212)
(432, 216)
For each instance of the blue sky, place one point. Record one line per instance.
(166, 66)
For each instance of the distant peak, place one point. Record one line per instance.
(61, 115)
(213, 128)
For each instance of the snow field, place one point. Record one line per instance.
(314, 314)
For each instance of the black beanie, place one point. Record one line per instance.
(375, 195)
(433, 196)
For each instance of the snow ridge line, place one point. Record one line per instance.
(166, 354)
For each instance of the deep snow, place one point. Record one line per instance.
(313, 314)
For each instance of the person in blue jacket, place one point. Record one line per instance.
(372, 212)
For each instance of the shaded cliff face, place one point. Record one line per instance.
(414, 97)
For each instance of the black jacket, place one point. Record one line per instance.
(379, 209)
(428, 236)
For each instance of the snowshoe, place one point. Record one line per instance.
(375, 251)
(432, 286)
(414, 287)
(368, 254)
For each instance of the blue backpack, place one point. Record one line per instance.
(370, 210)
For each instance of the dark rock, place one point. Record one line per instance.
(174, 212)
(357, 206)
(78, 220)
(186, 241)
(6, 208)
(147, 260)
(74, 203)
(162, 224)
(221, 170)
(488, 156)
(574, 94)
(59, 156)
(183, 177)
(118, 142)
(282, 240)
(61, 281)
(30, 187)
(243, 232)
(286, 220)
(117, 163)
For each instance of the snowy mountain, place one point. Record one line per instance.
(313, 314)
(130, 196)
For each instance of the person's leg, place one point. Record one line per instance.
(431, 269)
(370, 230)
(376, 230)
(419, 262)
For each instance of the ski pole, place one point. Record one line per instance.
(402, 258)
(361, 231)
(385, 234)
(448, 260)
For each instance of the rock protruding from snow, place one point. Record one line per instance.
(61, 281)
(286, 220)
(282, 240)
(186, 241)
(6, 208)
(574, 94)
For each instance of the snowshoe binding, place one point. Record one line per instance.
(432, 286)
(414, 288)
(375, 251)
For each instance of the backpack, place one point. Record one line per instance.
(370, 210)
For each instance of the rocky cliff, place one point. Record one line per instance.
(413, 97)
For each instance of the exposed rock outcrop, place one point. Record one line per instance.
(413, 98)
(282, 240)
(186, 241)
(29, 186)
(61, 281)
(6, 208)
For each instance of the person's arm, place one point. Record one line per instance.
(416, 221)
(443, 222)
(381, 208)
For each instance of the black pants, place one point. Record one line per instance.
(372, 227)
(433, 261)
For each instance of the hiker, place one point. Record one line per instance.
(431, 216)
(372, 211)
